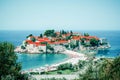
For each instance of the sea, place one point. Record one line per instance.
(29, 61)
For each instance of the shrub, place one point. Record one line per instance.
(65, 66)
(59, 72)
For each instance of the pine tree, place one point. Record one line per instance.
(9, 68)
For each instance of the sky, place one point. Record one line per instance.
(60, 14)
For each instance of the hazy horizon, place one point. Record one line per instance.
(61, 14)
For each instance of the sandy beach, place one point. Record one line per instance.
(74, 58)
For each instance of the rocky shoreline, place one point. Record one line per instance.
(57, 49)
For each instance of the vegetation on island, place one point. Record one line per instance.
(94, 42)
(41, 36)
(50, 33)
(86, 34)
(67, 39)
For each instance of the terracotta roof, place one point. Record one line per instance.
(90, 37)
(28, 41)
(58, 42)
(57, 33)
(86, 37)
(68, 34)
(76, 37)
(43, 39)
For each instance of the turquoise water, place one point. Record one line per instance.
(36, 60)
(113, 38)
(30, 60)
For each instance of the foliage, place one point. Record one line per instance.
(41, 35)
(77, 43)
(81, 63)
(33, 39)
(50, 33)
(110, 69)
(71, 32)
(65, 66)
(29, 35)
(66, 46)
(63, 32)
(72, 45)
(107, 70)
(9, 68)
(22, 47)
(60, 35)
(66, 71)
(68, 37)
(43, 42)
(93, 42)
(89, 74)
(49, 47)
(114, 71)
(86, 34)
(34, 73)
(83, 41)
(59, 72)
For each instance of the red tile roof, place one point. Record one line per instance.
(45, 39)
(90, 37)
(86, 37)
(76, 37)
(68, 34)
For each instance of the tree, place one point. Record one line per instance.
(49, 47)
(23, 47)
(63, 32)
(107, 69)
(77, 43)
(83, 41)
(50, 33)
(33, 39)
(86, 34)
(81, 64)
(29, 35)
(93, 42)
(110, 70)
(65, 66)
(104, 69)
(71, 33)
(68, 37)
(41, 35)
(114, 70)
(9, 67)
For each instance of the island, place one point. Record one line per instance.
(57, 42)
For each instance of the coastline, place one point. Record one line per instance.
(73, 58)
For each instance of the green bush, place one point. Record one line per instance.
(34, 73)
(59, 72)
(9, 67)
(65, 66)
(22, 47)
(42, 73)
(94, 42)
(50, 33)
